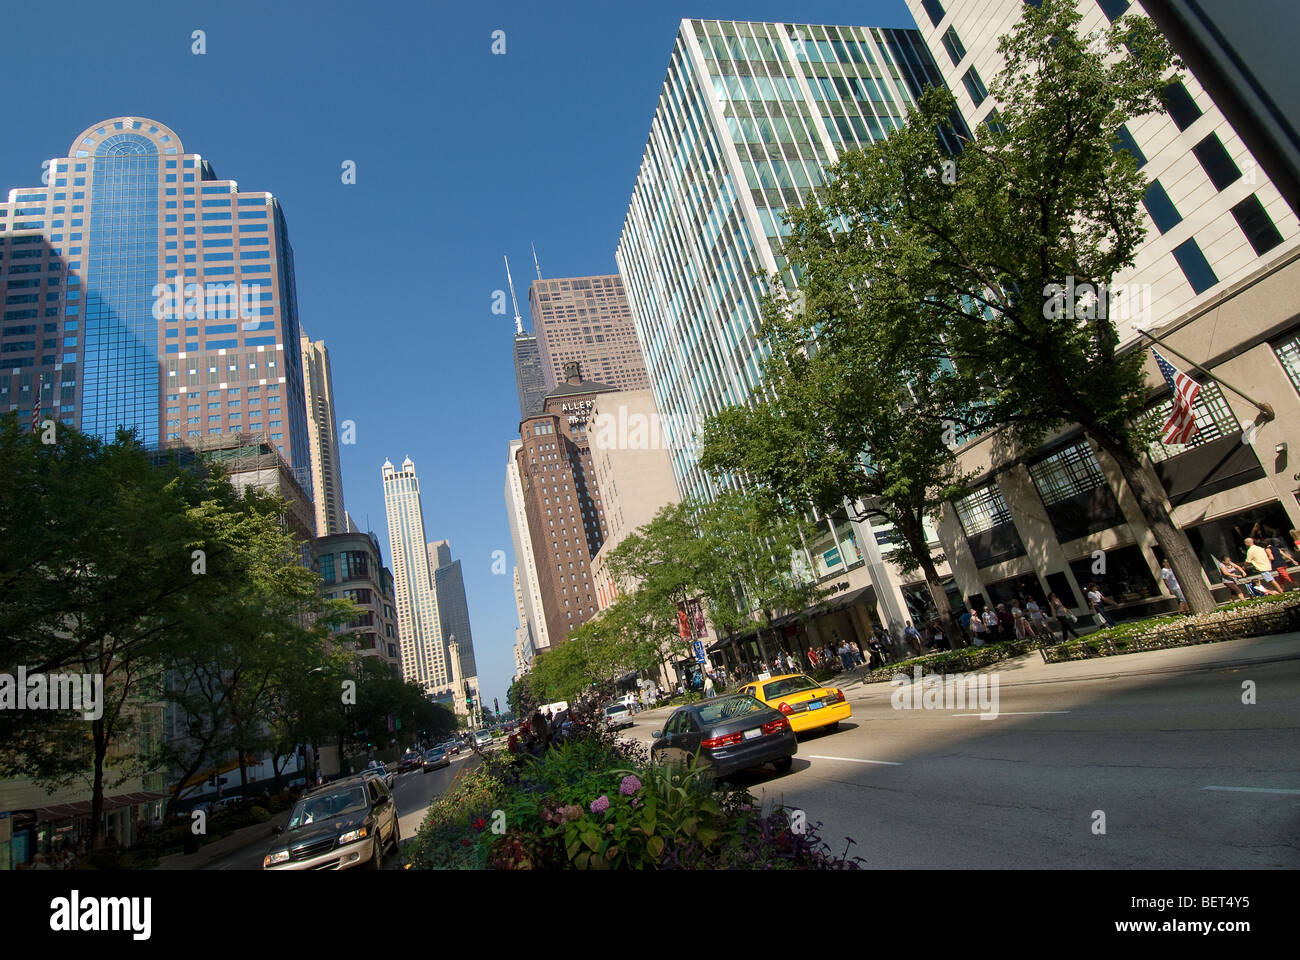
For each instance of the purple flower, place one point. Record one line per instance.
(600, 804)
(629, 786)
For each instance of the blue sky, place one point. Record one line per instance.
(461, 156)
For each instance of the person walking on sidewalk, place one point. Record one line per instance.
(1282, 559)
(1097, 603)
(1171, 581)
(913, 638)
(1064, 618)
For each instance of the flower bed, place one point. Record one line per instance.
(593, 802)
(1246, 618)
(1257, 617)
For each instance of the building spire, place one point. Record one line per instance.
(535, 263)
(519, 321)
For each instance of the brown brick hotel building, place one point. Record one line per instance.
(566, 520)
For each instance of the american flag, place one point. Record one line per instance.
(36, 407)
(1181, 425)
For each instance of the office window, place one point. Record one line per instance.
(1183, 110)
(982, 510)
(1162, 210)
(935, 9)
(1214, 419)
(952, 43)
(1288, 354)
(1219, 167)
(1256, 225)
(1125, 141)
(1113, 9)
(1195, 267)
(975, 86)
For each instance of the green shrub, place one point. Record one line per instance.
(259, 814)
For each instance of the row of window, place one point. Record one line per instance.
(1075, 470)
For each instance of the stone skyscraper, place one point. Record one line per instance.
(586, 320)
(424, 650)
(323, 435)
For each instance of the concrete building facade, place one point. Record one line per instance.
(323, 438)
(532, 622)
(1218, 281)
(352, 567)
(629, 454)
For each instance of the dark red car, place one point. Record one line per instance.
(410, 761)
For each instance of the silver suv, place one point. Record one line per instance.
(348, 823)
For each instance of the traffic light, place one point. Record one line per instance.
(496, 706)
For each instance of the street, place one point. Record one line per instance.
(1160, 743)
(413, 791)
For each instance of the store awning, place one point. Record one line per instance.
(840, 602)
(81, 808)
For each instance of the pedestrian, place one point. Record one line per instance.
(1282, 558)
(1037, 618)
(1233, 577)
(708, 685)
(1064, 618)
(992, 626)
(1258, 561)
(964, 622)
(913, 638)
(1017, 618)
(1171, 581)
(977, 629)
(812, 657)
(1295, 540)
(937, 638)
(857, 653)
(1097, 603)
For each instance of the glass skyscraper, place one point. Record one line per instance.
(749, 116)
(140, 291)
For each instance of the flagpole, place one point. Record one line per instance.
(1264, 408)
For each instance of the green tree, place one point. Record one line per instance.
(855, 412)
(753, 544)
(980, 265)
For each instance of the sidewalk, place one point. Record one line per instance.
(242, 838)
(1029, 667)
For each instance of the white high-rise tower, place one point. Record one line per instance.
(424, 655)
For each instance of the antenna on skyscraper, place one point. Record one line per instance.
(519, 321)
(535, 263)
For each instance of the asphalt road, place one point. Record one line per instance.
(413, 791)
(1160, 744)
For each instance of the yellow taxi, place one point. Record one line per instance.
(806, 703)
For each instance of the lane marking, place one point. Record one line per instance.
(1255, 790)
(884, 763)
(1011, 713)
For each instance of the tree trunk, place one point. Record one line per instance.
(100, 738)
(1173, 541)
(914, 535)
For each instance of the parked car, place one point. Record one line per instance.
(728, 733)
(409, 761)
(807, 703)
(618, 716)
(436, 759)
(347, 824)
(377, 769)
